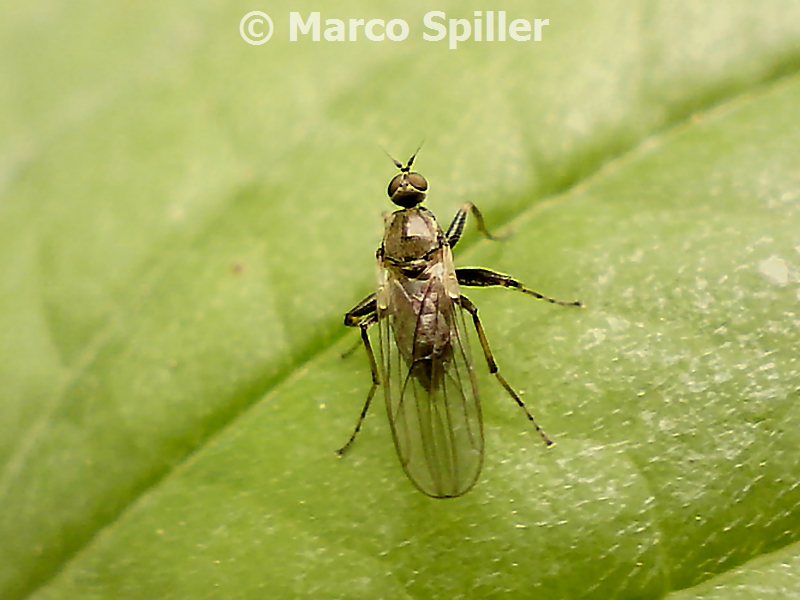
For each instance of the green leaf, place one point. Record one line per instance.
(185, 218)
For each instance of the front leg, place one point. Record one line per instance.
(457, 226)
(480, 277)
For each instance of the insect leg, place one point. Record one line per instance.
(493, 369)
(354, 317)
(362, 316)
(480, 277)
(364, 309)
(457, 226)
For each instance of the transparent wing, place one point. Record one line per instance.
(430, 387)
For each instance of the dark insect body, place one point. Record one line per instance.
(424, 359)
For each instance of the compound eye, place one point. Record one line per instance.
(418, 181)
(394, 184)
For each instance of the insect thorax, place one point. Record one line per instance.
(419, 289)
(412, 235)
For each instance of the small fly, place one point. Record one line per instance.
(424, 361)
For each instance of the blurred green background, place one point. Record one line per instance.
(185, 218)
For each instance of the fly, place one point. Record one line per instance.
(424, 360)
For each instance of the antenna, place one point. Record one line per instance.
(398, 164)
